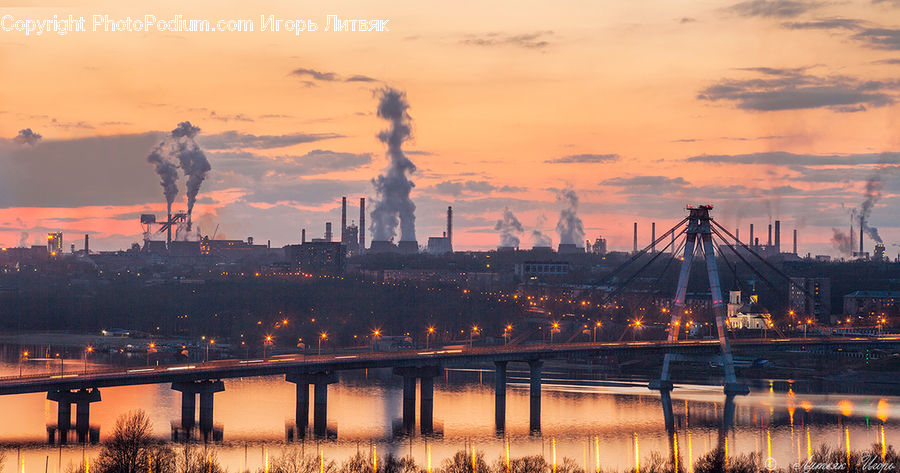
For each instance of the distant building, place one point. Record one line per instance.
(812, 297)
(55, 244)
(232, 250)
(326, 257)
(598, 248)
(879, 252)
(872, 303)
(438, 246)
(746, 316)
(538, 269)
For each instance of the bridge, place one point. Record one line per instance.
(422, 366)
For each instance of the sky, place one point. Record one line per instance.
(765, 109)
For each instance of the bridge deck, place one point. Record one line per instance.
(443, 357)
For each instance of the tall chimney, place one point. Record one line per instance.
(795, 241)
(303, 236)
(653, 237)
(861, 224)
(777, 236)
(737, 236)
(169, 232)
(87, 248)
(450, 226)
(751, 234)
(635, 237)
(343, 218)
(362, 224)
(770, 234)
(327, 231)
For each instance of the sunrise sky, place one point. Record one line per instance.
(765, 109)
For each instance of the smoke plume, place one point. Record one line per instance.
(393, 206)
(27, 137)
(23, 239)
(509, 228)
(193, 162)
(841, 241)
(569, 226)
(873, 194)
(179, 149)
(537, 236)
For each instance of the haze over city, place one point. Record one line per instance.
(768, 110)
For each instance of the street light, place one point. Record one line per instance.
(87, 350)
(24, 356)
(210, 342)
(375, 334)
(150, 348)
(506, 334)
(472, 334)
(596, 326)
(322, 336)
(266, 342)
(428, 335)
(553, 329)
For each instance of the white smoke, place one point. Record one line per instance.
(509, 228)
(393, 205)
(569, 226)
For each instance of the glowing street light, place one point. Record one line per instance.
(322, 336)
(428, 334)
(472, 333)
(506, 334)
(596, 326)
(150, 349)
(87, 350)
(23, 357)
(375, 334)
(266, 342)
(210, 342)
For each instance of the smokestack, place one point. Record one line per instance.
(303, 236)
(862, 226)
(653, 237)
(169, 232)
(795, 241)
(87, 248)
(343, 218)
(770, 235)
(751, 235)
(362, 224)
(635, 237)
(756, 243)
(737, 235)
(450, 226)
(327, 231)
(778, 236)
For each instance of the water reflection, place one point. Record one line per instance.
(599, 424)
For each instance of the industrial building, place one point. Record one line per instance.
(317, 257)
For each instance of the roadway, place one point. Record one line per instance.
(283, 364)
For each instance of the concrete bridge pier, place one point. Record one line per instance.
(409, 403)
(189, 391)
(301, 380)
(500, 396)
(426, 375)
(535, 394)
(82, 400)
(426, 405)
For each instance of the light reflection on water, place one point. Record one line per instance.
(615, 424)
